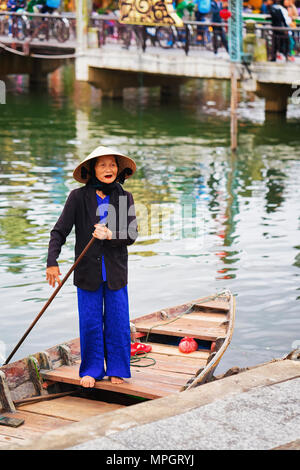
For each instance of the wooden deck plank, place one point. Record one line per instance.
(177, 368)
(174, 351)
(71, 408)
(177, 365)
(160, 376)
(186, 321)
(161, 386)
(33, 426)
(213, 306)
(207, 317)
(218, 305)
(69, 374)
(182, 327)
(5, 440)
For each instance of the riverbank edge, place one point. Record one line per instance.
(105, 426)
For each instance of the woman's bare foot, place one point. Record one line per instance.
(116, 380)
(87, 381)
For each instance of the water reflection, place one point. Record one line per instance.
(15, 227)
(244, 206)
(297, 258)
(275, 187)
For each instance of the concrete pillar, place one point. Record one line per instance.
(83, 11)
(111, 82)
(254, 45)
(276, 96)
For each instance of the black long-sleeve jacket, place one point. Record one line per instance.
(81, 211)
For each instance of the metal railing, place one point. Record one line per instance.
(280, 40)
(106, 29)
(23, 26)
(194, 36)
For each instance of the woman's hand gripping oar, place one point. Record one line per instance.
(60, 284)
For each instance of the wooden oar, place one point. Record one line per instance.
(50, 396)
(50, 300)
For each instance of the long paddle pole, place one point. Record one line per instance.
(50, 300)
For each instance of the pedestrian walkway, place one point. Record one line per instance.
(261, 419)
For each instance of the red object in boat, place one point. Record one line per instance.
(188, 345)
(213, 346)
(225, 14)
(140, 348)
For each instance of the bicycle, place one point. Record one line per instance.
(127, 33)
(44, 27)
(171, 36)
(15, 26)
(61, 29)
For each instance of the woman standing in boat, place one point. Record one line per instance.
(104, 210)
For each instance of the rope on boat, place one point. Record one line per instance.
(170, 321)
(135, 358)
(33, 359)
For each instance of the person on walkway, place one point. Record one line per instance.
(280, 18)
(293, 14)
(102, 209)
(291, 8)
(43, 6)
(218, 31)
(264, 7)
(202, 8)
(50, 6)
(14, 5)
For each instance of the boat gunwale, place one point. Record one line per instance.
(214, 360)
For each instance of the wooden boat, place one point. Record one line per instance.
(44, 391)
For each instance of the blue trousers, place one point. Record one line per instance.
(104, 332)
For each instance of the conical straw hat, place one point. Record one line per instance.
(123, 161)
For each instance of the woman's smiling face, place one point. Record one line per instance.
(106, 168)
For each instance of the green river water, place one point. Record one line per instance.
(230, 221)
